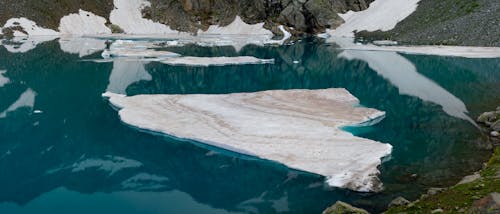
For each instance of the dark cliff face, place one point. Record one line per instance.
(300, 16)
(303, 16)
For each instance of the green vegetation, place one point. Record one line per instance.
(459, 198)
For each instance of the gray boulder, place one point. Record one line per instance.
(490, 116)
(399, 201)
(488, 204)
(495, 126)
(344, 208)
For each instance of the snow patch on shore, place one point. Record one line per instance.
(127, 15)
(381, 15)
(237, 27)
(83, 23)
(30, 27)
(298, 128)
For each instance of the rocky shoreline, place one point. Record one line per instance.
(476, 193)
(446, 22)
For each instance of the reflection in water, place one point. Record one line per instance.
(26, 99)
(81, 46)
(403, 74)
(125, 73)
(62, 200)
(78, 130)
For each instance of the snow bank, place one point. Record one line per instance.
(298, 128)
(82, 23)
(381, 15)
(215, 61)
(238, 27)
(127, 14)
(26, 99)
(30, 27)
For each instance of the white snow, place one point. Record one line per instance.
(30, 27)
(298, 128)
(81, 45)
(460, 51)
(237, 27)
(126, 73)
(111, 164)
(25, 100)
(215, 61)
(3, 80)
(128, 16)
(381, 15)
(286, 36)
(83, 23)
(137, 53)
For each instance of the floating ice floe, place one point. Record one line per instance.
(83, 23)
(134, 53)
(215, 61)
(298, 128)
(439, 50)
(26, 99)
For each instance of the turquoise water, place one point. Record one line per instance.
(70, 153)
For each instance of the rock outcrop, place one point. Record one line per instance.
(344, 208)
(299, 16)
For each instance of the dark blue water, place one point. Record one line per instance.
(68, 152)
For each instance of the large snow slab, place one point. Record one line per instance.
(381, 15)
(215, 61)
(439, 50)
(298, 128)
(127, 14)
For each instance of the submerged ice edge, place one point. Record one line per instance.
(338, 155)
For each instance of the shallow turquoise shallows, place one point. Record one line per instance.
(63, 149)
